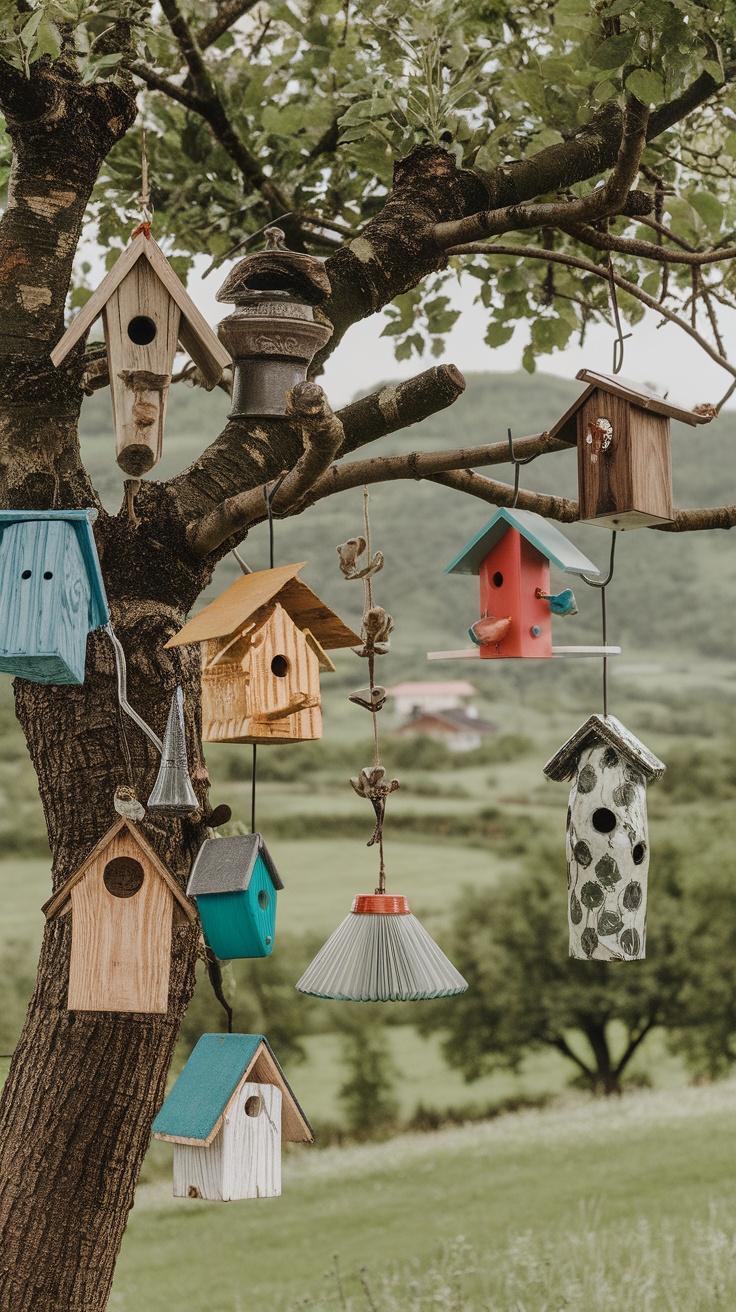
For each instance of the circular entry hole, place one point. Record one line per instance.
(638, 853)
(280, 667)
(263, 900)
(26, 574)
(123, 876)
(141, 330)
(254, 1105)
(48, 574)
(604, 820)
(497, 579)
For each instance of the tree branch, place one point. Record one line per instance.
(632, 1046)
(156, 82)
(500, 494)
(578, 262)
(322, 434)
(228, 12)
(609, 199)
(399, 405)
(647, 250)
(563, 1046)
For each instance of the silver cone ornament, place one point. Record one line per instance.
(381, 953)
(172, 792)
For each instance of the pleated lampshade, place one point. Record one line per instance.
(381, 953)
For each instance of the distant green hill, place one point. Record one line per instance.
(671, 592)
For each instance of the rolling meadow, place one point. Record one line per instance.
(515, 1191)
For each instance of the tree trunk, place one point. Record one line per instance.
(604, 1080)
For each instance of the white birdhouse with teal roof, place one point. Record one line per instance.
(511, 555)
(226, 1117)
(51, 593)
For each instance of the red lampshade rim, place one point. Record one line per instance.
(380, 904)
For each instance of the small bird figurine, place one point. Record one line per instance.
(489, 629)
(561, 603)
(371, 698)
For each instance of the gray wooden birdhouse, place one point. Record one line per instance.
(123, 902)
(226, 1116)
(146, 313)
(622, 433)
(263, 646)
(607, 838)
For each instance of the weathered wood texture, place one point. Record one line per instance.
(264, 687)
(44, 602)
(607, 857)
(141, 330)
(244, 1158)
(630, 484)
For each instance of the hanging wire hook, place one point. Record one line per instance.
(269, 493)
(603, 583)
(621, 337)
(517, 463)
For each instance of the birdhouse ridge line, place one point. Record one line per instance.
(603, 729)
(248, 594)
(56, 904)
(565, 430)
(226, 865)
(196, 1105)
(538, 531)
(195, 334)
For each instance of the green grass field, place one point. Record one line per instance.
(587, 1206)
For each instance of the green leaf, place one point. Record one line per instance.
(576, 911)
(498, 333)
(633, 895)
(607, 871)
(709, 208)
(581, 853)
(591, 895)
(647, 87)
(614, 52)
(587, 779)
(609, 922)
(528, 361)
(630, 942)
(589, 941)
(715, 70)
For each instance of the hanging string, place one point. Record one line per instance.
(268, 494)
(253, 793)
(368, 605)
(143, 200)
(621, 336)
(602, 585)
(517, 463)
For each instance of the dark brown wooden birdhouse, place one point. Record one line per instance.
(146, 313)
(122, 901)
(622, 432)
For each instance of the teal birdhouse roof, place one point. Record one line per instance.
(542, 535)
(81, 521)
(200, 1097)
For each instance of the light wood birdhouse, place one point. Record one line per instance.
(122, 902)
(226, 1117)
(607, 838)
(146, 313)
(622, 433)
(263, 644)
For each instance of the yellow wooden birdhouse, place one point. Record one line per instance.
(263, 647)
(146, 313)
(123, 902)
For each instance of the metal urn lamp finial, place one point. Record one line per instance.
(172, 792)
(273, 335)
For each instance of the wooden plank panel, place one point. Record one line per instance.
(120, 945)
(45, 597)
(195, 333)
(235, 605)
(97, 301)
(630, 484)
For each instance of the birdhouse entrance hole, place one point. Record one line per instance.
(604, 820)
(638, 853)
(263, 899)
(254, 1105)
(280, 667)
(498, 579)
(123, 876)
(141, 330)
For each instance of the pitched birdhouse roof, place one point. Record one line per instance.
(195, 1107)
(58, 902)
(226, 865)
(248, 594)
(638, 394)
(81, 521)
(195, 334)
(603, 729)
(542, 535)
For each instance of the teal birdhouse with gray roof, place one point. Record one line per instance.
(234, 883)
(512, 554)
(51, 593)
(226, 1117)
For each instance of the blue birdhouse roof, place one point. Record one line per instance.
(81, 521)
(542, 535)
(200, 1097)
(226, 865)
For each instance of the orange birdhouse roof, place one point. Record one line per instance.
(248, 594)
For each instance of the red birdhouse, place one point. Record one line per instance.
(512, 555)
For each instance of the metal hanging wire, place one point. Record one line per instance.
(621, 336)
(517, 463)
(602, 585)
(268, 493)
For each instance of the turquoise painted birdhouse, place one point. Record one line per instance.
(234, 883)
(51, 593)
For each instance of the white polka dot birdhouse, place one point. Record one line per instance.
(607, 838)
